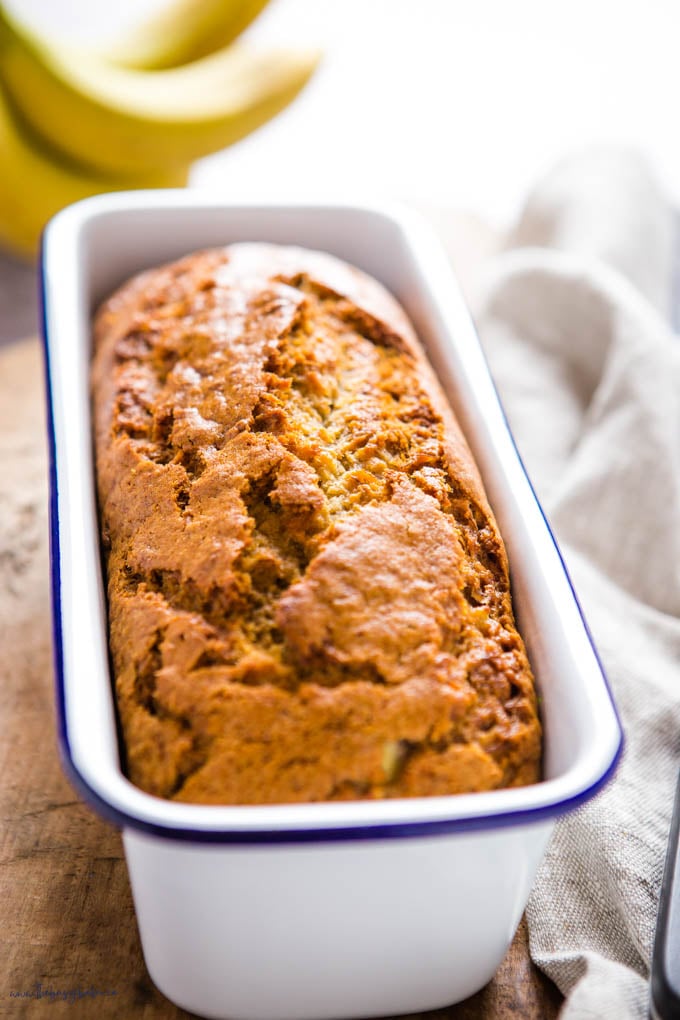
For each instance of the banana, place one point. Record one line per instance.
(34, 186)
(121, 121)
(181, 32)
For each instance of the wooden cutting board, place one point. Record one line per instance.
(68, 937)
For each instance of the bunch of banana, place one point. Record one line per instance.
(74, 122)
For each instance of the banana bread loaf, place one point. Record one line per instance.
(308, 595)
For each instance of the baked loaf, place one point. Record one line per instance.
(308, 595)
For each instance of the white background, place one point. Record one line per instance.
(460, 103)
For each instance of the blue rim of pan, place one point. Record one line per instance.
(308, 835)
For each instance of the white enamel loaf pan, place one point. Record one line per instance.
(313, 910)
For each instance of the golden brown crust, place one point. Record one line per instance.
(308, 594)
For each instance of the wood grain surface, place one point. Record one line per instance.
(68, 939)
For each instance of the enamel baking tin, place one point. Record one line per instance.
(313, 910)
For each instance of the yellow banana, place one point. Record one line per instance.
(122, 121)
(34, 186)
(182, 31)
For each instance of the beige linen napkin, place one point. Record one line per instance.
(575, 322)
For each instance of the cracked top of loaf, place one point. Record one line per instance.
(308, 595)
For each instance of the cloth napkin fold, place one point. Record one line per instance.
(575, 319)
